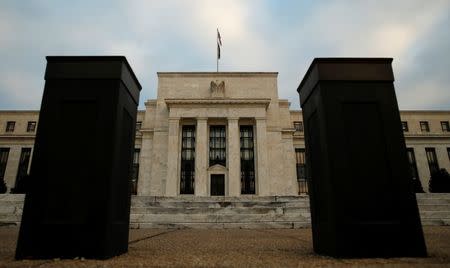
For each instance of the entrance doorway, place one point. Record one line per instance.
(217, 184)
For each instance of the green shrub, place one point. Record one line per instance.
(440, 182)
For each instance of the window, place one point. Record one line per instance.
(432, 160)
(135, 171)
(138, 125)
(22, 171)
(301, 170)
(448, 153)
(247, 160)
(187, 179)
(445, 126)
(413, 170)
(405, 126)
(298, 125)
(31, 127)
(4, 152)
(10, 126)
(217, 145)
(424, 127)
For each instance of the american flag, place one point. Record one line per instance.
(219, 43)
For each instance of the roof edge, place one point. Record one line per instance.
(215, 74)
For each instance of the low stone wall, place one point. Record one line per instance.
(228, 212)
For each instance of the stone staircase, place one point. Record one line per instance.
(434, 208)
(228, 212)
(220, 212)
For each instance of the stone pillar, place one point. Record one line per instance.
(201, 157)
(173, 156)
(145, 163)
(261, 152)
(234, 178)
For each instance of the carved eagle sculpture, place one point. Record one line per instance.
(217, 87)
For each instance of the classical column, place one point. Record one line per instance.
(145, 163)
(201, 157)
(261, 143)
(173, 156)
(234, 159)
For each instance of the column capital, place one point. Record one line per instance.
(201, 118)
(174, 118)
(232, 118)
(260, 118)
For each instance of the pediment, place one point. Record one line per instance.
(217, 168)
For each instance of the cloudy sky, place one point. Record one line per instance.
(282, 36)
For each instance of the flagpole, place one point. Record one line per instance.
(217, 49)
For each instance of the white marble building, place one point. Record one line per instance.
(235, 117)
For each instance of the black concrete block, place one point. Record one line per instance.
(361, 192)
(78, 201)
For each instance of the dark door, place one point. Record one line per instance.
(218, 184)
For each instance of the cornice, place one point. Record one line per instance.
(210, 101)
(424, 136)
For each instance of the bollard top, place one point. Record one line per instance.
(93, 67)
(108, 69)
(345, 69)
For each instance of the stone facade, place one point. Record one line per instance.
(209, 99)
(230, 100)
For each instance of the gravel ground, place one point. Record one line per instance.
(229, 248)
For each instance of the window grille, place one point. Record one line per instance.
(187, 179)
(217, 145)
(298, 125)
(4, 152)
(135, 171)
(445, 126)
(301, 170)
(432, 160)
(31, 126)
(10, 126)
(424, 127)
(247, 160)
(405, 126)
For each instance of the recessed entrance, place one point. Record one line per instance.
(217, 184)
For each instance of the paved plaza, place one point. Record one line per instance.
(229, 248)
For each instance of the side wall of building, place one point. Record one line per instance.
(15, 141)
(436, 138)
(281, 141)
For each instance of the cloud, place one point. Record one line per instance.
(267, 35)
(19, 90)
(362, 29)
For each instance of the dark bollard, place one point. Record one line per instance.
(78, 199)
(362, 203)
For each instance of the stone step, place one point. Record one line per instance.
(435, 214)
(215, 204)
(218, 210)
(15, 218)
(12, 197)
(433, 201)
(230, 225)
(435, 222)
(432, 207)
(219, 218)
(243, 198)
